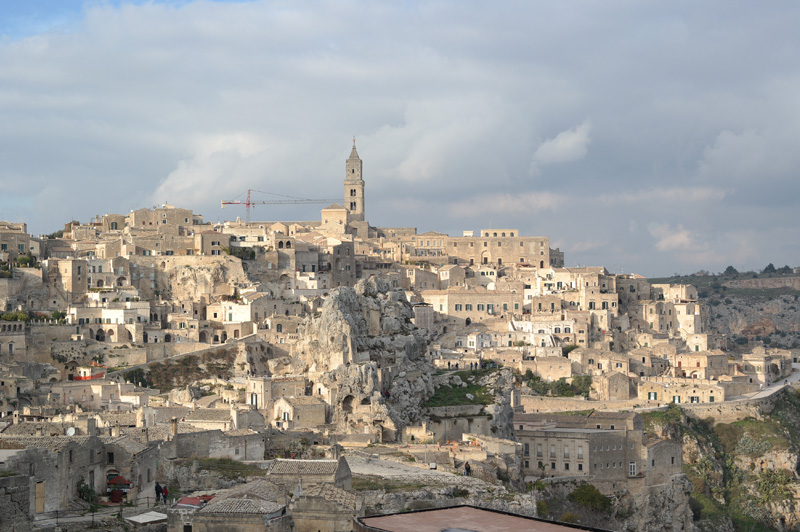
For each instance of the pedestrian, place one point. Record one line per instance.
(467, 469)
(159, 492)
(166, 492)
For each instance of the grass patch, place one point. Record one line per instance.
(748, 524)
(225, 467)
(704, 507)
(454, 396)
(375, 483)
(730, 434)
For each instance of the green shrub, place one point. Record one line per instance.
(542, 509)
(569, 517)
(589, 496)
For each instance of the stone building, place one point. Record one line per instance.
(258, 505)
(662, 390)
(299, 412)
(289, 473)
(600, 447)
(325, 508)
(56, 464)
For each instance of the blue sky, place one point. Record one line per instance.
(645, 137)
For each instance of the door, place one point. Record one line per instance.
(39, 497)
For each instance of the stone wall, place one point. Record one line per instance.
(15, 503)
(534, 403)
(734, 410)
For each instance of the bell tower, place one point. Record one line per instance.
(354, 187)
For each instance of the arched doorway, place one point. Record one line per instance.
(203, 337)
(100, 336)
(347, 404)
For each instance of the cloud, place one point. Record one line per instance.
(670, 195)
(678, 239)
(460, 111)
(528, 203)
(567, 146)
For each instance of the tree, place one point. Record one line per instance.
(730, 270)
(769, 269)
(24, 260)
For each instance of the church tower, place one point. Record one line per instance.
(354, 187)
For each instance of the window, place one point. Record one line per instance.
(652, 396)
(566, 466)
(566, 452)
(458, 307)
(580, 453)
(527, 449)
(580, 467)
(552, 451)
(539, 450)
(632, 469)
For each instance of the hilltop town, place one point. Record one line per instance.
(283, 372)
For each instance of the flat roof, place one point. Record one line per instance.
(463, 519)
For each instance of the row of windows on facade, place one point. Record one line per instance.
(653, 396)
(440, 243)
(20, 247)
(480, 307)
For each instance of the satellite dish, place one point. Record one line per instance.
(71, 431)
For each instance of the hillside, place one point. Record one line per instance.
(751, 308)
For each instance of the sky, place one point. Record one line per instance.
(646, 137)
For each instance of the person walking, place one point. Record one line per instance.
(159, 492)
(467, 469)
(166, 492)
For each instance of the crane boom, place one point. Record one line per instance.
(248, 202)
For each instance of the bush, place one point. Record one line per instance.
(696, 507)
(541, 509)
(590, 497)
(569, 517)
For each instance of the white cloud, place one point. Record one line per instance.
(527, 203)
(456, 109)
(567, 146)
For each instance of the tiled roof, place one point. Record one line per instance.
(123, 419)
(256, 497)
(333, 494)
(30, 429)
(126, 443)
(303, 467)
(210, 414)
(165, 414)
(304, 400)
(52, 443)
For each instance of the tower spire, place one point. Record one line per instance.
(353, 153)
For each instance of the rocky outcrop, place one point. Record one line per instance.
(213, 275)
(364, 349)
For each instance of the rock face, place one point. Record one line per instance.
(662, 508)
(775, 319)
(215, 275)
(363, 348)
